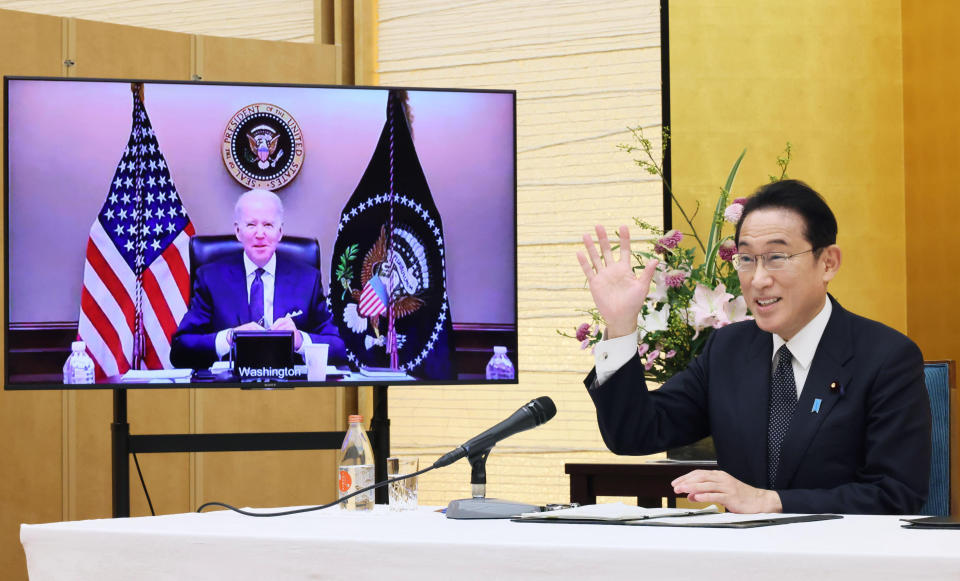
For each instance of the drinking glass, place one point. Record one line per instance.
(403, 493)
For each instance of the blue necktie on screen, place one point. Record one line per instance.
(783, 400)
(256, 297)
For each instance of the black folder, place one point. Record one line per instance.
(766, 521)
(932, 522)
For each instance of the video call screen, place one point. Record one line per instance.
(389, 259)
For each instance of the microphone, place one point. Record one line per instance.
(530, 415)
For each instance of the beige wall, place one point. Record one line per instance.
(582, 72)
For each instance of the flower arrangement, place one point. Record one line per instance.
(695, 289)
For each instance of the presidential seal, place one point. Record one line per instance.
(262, 147)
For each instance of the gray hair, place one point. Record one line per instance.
(256, 195)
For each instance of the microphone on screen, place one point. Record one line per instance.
(530, 415)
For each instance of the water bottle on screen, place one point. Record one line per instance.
(355, 467)
(79, 366)
(500, 366)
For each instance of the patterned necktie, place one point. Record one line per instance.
(256, 297)
(783, 400)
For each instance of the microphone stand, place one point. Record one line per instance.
(479, 506)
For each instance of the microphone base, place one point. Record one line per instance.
(477, 508)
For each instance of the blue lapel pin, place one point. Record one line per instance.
(816, 406)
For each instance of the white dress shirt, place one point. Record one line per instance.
(612, 354)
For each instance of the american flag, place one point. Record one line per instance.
(373, 298)
(136, 280)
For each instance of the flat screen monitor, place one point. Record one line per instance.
(154, 221)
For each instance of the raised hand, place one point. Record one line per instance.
(617, 292)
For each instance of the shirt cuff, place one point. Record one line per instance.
(304, 341)
(221, 344)
(610, 355)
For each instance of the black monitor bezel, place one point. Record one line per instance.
(212, 385)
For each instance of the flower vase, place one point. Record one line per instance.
(700, 450)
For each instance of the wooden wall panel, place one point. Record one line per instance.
(116, 51)
(58, 443)
(32, 488)
(246, 60)
(281, 478)
(128, 52)
(58, 451)
(266, 478)
(291, 20)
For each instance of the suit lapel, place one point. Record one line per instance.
(238, 291)
(283, 281)
(828, 366)
(753, 397)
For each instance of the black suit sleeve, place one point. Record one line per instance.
(193, 344)
(320, 325)
(892, 477)
(635, 420)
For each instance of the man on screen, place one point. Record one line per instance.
(253, 290)
(812, 409)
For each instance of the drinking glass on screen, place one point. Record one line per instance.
(316, 359)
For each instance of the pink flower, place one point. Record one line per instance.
(669, 241)
(707, 305)
(732, 213)
(741, 201)
(642, 348)
(670, 353)
(674, 278)
(583, 331)
(651, 357)
(727, 250)
(735, 311)
(585, 343)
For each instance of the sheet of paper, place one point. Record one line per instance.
(616, 511)
(146, 375)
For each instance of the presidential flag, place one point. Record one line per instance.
(389, 291)
(136, 280)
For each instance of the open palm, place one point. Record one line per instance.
(617, 292)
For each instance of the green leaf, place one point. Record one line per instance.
(713, 242)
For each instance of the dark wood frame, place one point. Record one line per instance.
(649, 482)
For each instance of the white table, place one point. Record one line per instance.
(424, 545)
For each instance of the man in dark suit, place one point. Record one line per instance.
(812, 409)
(254, 290)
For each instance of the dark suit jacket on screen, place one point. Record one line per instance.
(220, 302)
(866, 451)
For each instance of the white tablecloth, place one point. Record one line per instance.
(424, 545)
